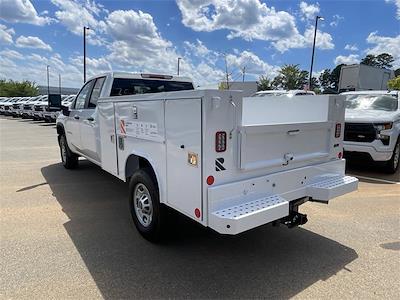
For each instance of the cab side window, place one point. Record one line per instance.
(96, 92)
(83, 95)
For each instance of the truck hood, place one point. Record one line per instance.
(371, 116)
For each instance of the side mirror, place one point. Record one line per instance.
(65, 110)
(54, 101)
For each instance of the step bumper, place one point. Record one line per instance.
(239, 214)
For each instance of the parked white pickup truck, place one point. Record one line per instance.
(373, 126)
(227, 162)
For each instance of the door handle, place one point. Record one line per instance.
(76, 117)
(90, 119)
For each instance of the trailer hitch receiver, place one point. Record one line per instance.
(295, 219)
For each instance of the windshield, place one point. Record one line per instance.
(373, 102)
(127, 86)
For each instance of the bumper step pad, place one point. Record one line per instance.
(332, 187)
(244, 216)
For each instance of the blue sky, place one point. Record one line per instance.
(149, 36)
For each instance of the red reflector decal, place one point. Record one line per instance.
(197, 213)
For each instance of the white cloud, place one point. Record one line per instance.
(249, 20)
(309, 11)
(11, 54)
(351, 47)
(252, 63)
(6, 34)
(347, 60)
(75, 14)
(336, 19)
(397, 3)
(199, 50)
(31, 42)
(323, 41)
(385, 44)
(21, 11)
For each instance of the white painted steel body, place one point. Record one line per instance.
(269, 159)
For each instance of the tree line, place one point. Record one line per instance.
(11, 88)
(291, 77)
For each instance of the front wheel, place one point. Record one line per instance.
(393, 164)
(145, 208)
(68, 158)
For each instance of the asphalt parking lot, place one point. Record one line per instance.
(68, 234)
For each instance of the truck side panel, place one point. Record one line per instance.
(184, 156)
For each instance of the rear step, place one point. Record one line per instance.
(331, 187)
(247, 214)
(242, 217)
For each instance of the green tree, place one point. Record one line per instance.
(222, 86)
(290, 77)
(383, 60)
(11, 88)
(325, 79)
(394, 84)
(264, 83)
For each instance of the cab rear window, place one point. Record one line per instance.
(127, 86)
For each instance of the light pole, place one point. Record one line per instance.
(84, 53)
(48, 80)
(313, 49)
(179, 59)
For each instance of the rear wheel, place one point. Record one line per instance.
(68, 158)
(145, 208)
(393, 164)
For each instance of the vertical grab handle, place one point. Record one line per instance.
(234, 116)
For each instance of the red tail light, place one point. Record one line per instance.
(220, 141)
(338, 130)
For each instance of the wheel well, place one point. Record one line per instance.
(134, 163)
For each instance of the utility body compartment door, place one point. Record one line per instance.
(183, 128)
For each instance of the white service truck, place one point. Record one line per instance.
(372, 126)
(228, 162)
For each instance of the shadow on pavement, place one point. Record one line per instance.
(366, 167)
(267, 262)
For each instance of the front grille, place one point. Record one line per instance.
(6, 107)
(15, 106)
(38, 108)
(359, 132)
(27, 107)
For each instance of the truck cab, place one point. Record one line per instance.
(372, 126)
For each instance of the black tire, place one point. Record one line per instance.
(154, 229)
(68, 158)
(393, 164)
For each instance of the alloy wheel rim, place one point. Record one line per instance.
(143, 205)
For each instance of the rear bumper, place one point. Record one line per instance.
(240, 206)
(376, 151)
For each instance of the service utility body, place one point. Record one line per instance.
(228, 162)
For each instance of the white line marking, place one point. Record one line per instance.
(375, 179)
